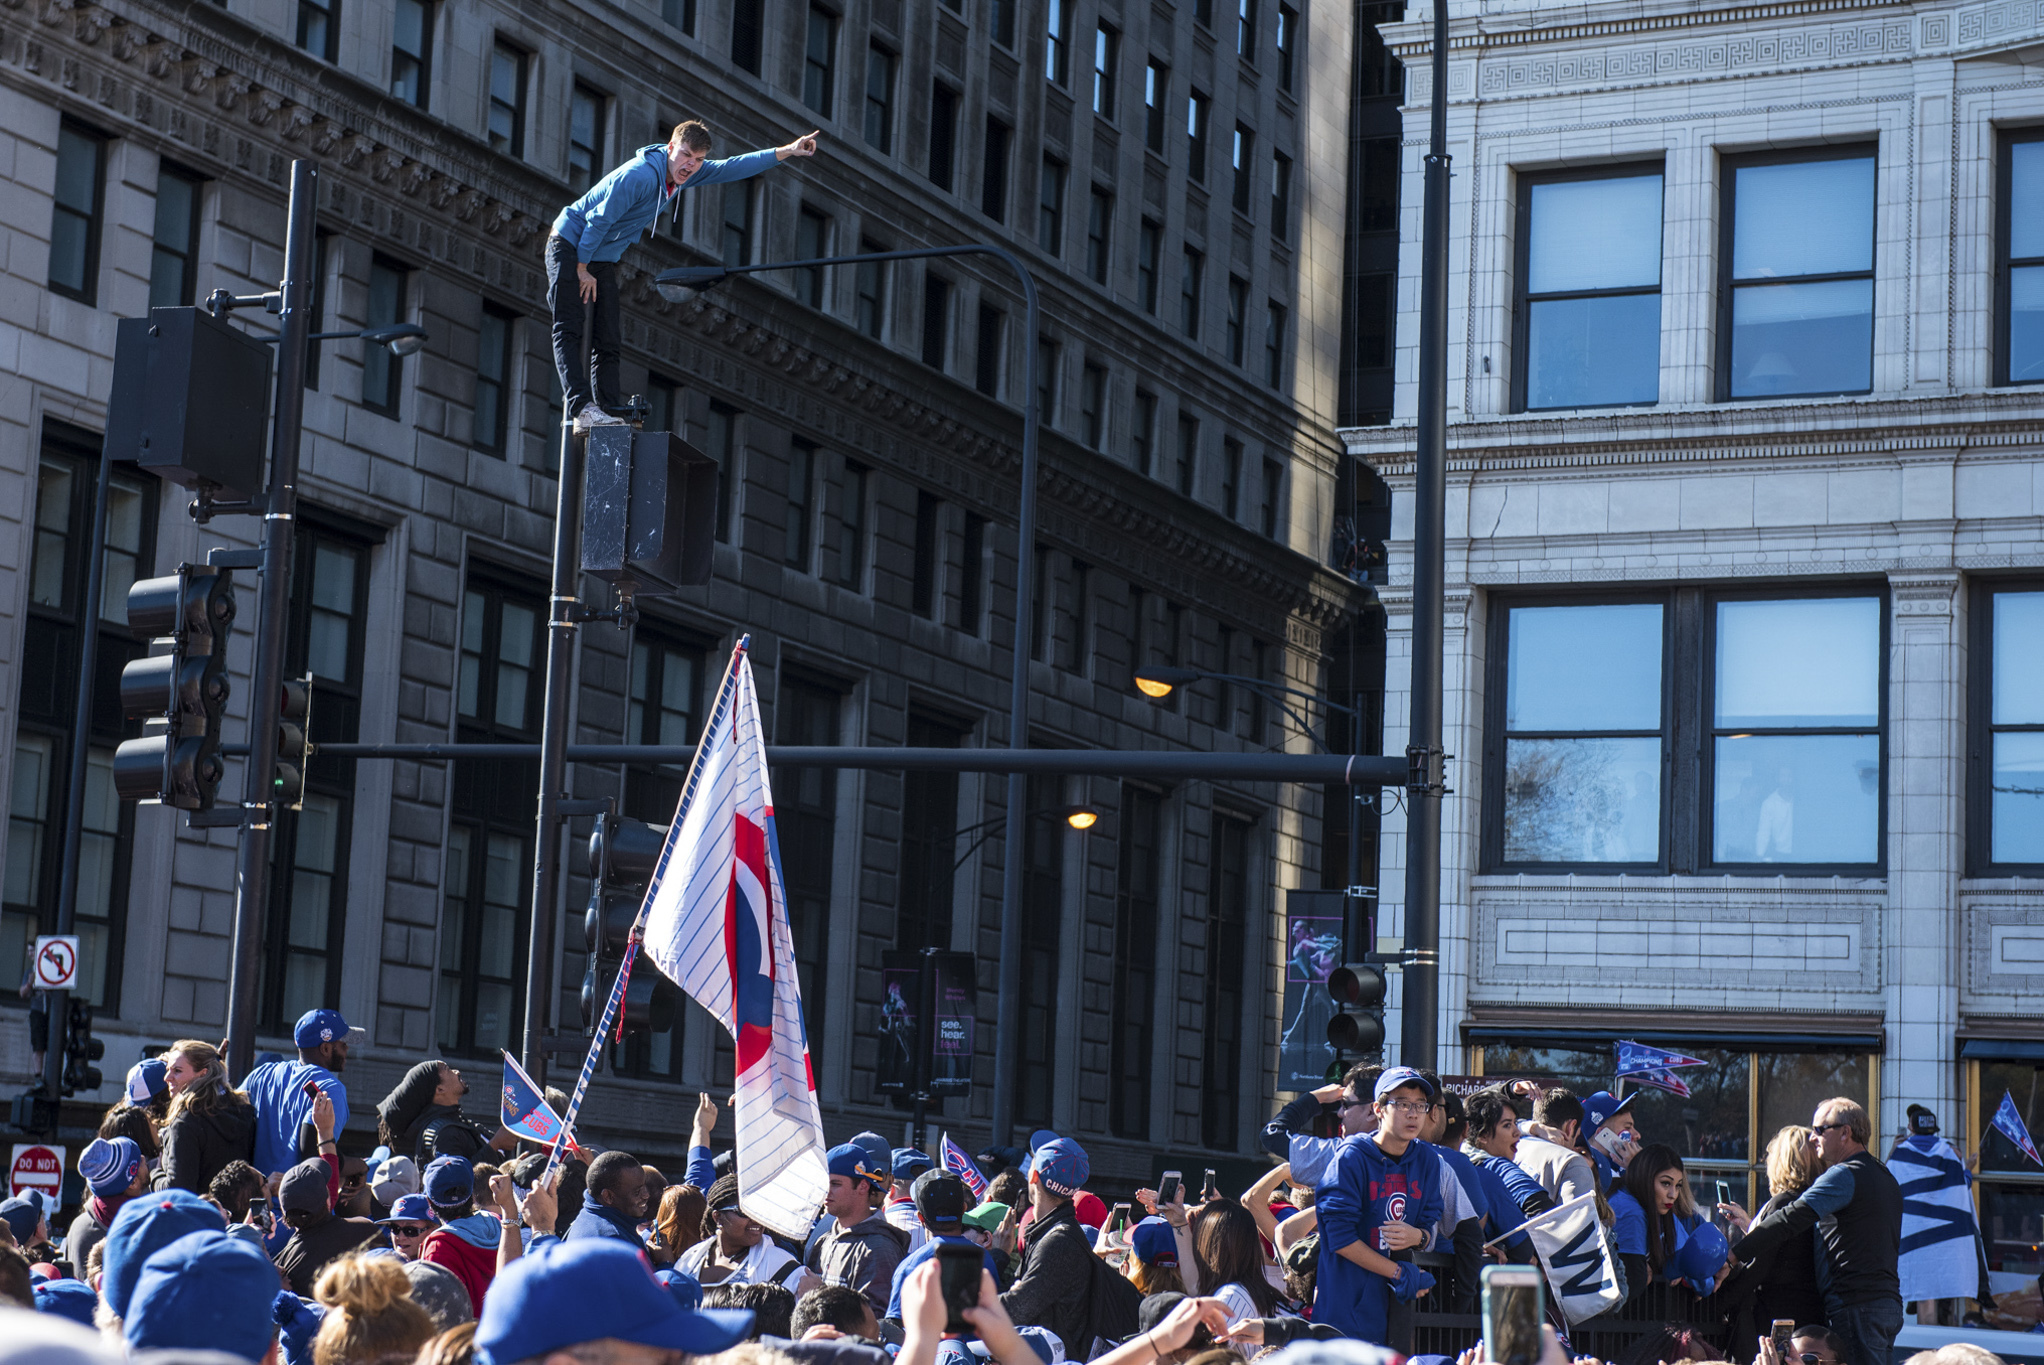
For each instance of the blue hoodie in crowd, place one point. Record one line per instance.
(1367, 1188)
(1503, 1195)
(617, 208)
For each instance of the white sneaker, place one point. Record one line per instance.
(594, 416)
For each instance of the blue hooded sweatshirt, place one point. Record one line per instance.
(617, 208)
(1366, 1189)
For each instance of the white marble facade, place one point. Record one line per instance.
(1919, 490)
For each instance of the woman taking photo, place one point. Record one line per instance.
(1781, 1283)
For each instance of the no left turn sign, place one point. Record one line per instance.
(56, 962)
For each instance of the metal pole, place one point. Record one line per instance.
(1421, 1002)
(926, 1043)
(58, 1002)
(252, 875)
(553, 748)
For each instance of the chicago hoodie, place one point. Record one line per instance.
(1366, 1189)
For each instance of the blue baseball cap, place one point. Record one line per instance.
(147, 1080)
(319, 1026)
(145, 1225)
(1602, 1107)
(204, 1291)
(1062, 1166)
(1154, 1242)
(450, 1182)
(1049, 1347)
(21, 1214)
(851, 1160)
(410, 1208)
(109, 1165)
(566, 1293)
(910, 1163)
(1396, 1076)
(1041, 1136)
(71, 1299)
(879, 1153)
(1703, 1255)
(686, 1288)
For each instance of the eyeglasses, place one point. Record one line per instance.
(409, 1230)
(1410, 1108)
(1343, 1106)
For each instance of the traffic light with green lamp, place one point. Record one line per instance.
(183, 693)
(294, 743)
(622, 855)
(81, 1050)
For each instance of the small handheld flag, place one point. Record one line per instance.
(1637, 1058)
(524, 1109)
(2009, 1123)
(1661, 1080)
(963, 1166)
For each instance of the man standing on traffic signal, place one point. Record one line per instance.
(591, 235)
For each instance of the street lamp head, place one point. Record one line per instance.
(403, 338)
(1081, 817)
(677, 284)
(1157, 681)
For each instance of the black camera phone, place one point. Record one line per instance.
(958, 1276)
(1167, 1188)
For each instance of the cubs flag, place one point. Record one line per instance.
(964, 1167)
(1661, 1080)
(524, 1109)
(1939, 1260)
(1575, 1251)
(716, 919)
(2009, 1122)
(1638, 1059)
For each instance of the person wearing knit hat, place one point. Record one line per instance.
(144, 1226)
(205, 1291)
(114, 1172)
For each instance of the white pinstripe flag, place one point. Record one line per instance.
(716, 923)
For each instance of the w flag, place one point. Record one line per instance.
(2009, 1122)
(1635, 1059)
(1939, 1260)
(524, 1108)
(1661, 1080)
(716, 920)
(964, 1167)
(1575, 1251)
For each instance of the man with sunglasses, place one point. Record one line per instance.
(411, 1218)
(1856, 1207)
(1290, 1137)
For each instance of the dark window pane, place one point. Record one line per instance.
(819, 60)
(745, 34)
(176, 240)
(879, 99)
(1582, 800)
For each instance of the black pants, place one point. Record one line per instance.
(571, 346)
(1869, 1329)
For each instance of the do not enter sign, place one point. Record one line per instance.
(36, 1166)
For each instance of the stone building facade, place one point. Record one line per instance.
(1174, 179)
(1745, 559)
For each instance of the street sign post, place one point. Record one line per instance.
(36, 1166)
(56, 962)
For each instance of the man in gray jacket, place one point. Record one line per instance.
(1562, 1171)
(863, 1250)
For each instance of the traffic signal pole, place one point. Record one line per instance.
(259, 802)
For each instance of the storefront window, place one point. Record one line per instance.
(2011, 1185)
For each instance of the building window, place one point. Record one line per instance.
(1138, 895)
(1093, 405)
(50, 639)
(925, 554)
(1231, 500)
(1280, 195)
(382, 372)
(1274, 319)
(1589, 314)
(1050, 207)
(1244, 152)
(805, 812)
(1287, 43)
(737, 240)
(1143, 433)
(173, 256)
(972, 580)
(2020, 228)
(411, 52)
(1056, 42)
(1149, 248)
(929, 840)
(585, 136)
(870, 281)
(1227, 957)
(812, 242)
(746, 21)
(721, 445)
(319, 28)
(507, 98)
(1270, 507)
(1189, 281)
(1796, 315)
(993, 171)
(1074, 640)
(2007, 833)
(936, 320)
(879, 98)
(1245, 29)
(1187, 469)
(844, 510)
(986, 373)
(493, 379)
(1238, 319)
(1776, 702)
(1196, 113)
(663, 404)
(819, 60)
(76, 213)
(1099, 232)
(1043, 883)
(1203, 13)
(1004, 22)
(943, 135)
(1047, 359)
(679, 14)
(1156, 86)
(801, 505)
(1106, 67)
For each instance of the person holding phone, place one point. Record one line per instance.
(1780, 1283)
(1384, 1192)
(1611, 1135)
(282, 1092)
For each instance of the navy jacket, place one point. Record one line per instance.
(596, 1220)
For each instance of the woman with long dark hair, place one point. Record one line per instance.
(1653, 1215)
(1228, 1254)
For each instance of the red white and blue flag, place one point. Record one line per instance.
(523, 1107)
(2008, 1121)
(1640, 1059)
(964, 1167)
(1661, 1080)
(716, 924)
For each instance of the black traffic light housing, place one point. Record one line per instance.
(184, 692)
(649, 511)
(191, 400)
(294, 743)
(81, 1050)
(1359, 990)
(622, 856)
(34, 1111)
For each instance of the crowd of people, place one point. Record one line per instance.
(226, 1218)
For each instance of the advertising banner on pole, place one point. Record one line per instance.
(1313, 949)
